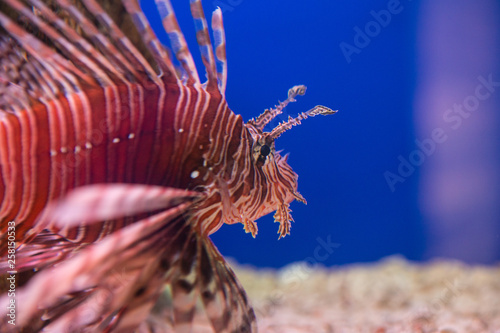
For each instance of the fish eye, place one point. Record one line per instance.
(265, 150)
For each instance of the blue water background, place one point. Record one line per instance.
(340, 159)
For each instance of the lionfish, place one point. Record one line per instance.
(117, 163)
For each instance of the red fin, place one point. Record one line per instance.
(94, 203)
(123, 272)
(45, 249)
(112, 285)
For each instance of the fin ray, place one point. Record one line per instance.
(224, 298)
(158, 51)
(112, 266)
(177, 40)
(220, 49)
(203, 39)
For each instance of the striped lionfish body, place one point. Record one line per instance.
(116, 164)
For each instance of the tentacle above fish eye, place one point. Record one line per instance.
(263, 142)
(284, 126)
(269, 114)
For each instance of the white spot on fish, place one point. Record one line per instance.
(64, 150)
(116, 140)
(131, 136)
(53, 153)
(181, 130)
(77, 149)
(195, 174)
(88, 145)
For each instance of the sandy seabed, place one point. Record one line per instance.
(393, 295)
(390, 296)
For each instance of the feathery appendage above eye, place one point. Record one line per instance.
(317, 110)
(269, 114)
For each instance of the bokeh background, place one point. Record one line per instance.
(410, 163)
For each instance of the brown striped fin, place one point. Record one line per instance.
(93, 64)
(111, 58)
(83, 40)
(225, 300)
(80, 42)
(184, 284)
(201, 271)
(48, 65)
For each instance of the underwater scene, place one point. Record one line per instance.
(279, 167)
(401, 231)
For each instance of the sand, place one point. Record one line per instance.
(392, 295)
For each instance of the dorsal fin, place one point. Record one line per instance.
(203, 39)
(177, 40)
(220, 50)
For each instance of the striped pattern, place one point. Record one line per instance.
(220, 50)
(177, 41)
(116, 165)
(269, 114)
